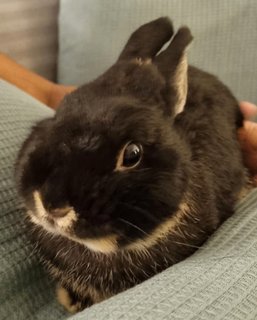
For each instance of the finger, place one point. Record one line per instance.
(248, 109)
(251, 133)
(57, 93)
(248, 135)
(248, 141)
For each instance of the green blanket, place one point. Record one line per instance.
(218, 282)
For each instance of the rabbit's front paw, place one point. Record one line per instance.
(70, 301)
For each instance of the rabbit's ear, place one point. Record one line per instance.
(172, 63)
(146, 41)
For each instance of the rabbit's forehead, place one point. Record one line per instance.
(116, 122)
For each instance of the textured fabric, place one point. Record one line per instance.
(26, 292)
(93, 32)
(217, 282)
(28, 33)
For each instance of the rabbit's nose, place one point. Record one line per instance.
(60, 212)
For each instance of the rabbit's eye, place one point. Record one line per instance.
(129, 156)
(132, 155)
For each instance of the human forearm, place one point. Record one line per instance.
(40, 88)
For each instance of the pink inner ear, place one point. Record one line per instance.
(169, 59)
(180, 83)
(179, 110)
(172, 64)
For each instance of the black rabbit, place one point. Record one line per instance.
(134, 171)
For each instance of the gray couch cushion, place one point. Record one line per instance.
(92, 33)
(26, 292)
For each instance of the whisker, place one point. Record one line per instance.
(187, 245)
(133, 225)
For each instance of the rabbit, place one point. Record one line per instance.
(135, 170)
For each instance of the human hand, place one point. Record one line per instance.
(57, 93)
(248, 137)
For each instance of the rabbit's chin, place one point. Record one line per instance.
(106, 245)
(63, 226)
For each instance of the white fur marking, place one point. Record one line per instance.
(161, 231)
(65, 300)
(62, 226)
(104, 245)
(66, 221)
(40, 210)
